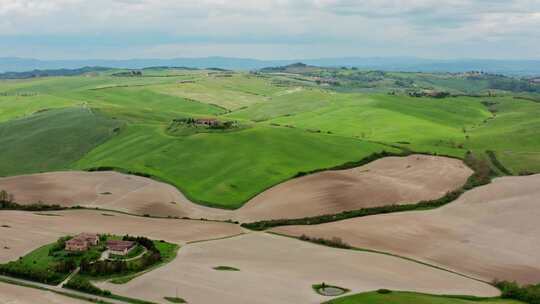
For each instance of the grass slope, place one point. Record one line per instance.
(416, 298)
(233, 92)
(293, 127)
(225, 170)
(51, 140)
(142, 105)
(425, 124)
(513, 134)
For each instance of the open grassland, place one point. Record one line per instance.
(22, 232)
(289, 127)
(230, 91)
(51, 140)
(19, 106)
(396, 297)
(432, 125)
(391, 180)
(276, 269)
(141, 105)
(489, 232)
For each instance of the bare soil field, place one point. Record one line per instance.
(491, 232)
(12, 294)
(386, 181)
(275, 269)
(106, 190)
(391, 180)
(22, 232)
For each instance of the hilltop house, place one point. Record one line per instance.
(207, 121)
(118, 247)
(82, 242)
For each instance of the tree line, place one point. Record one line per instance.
(481, 176)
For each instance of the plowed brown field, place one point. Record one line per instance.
(491, 232)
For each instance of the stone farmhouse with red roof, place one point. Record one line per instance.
(82, 242)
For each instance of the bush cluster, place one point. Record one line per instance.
(22, 271)
(511, 290)
(81, 284)
(7, 202)
(333, 242)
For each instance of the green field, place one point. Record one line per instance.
(52, 140)
(289, 124)
(414, 298)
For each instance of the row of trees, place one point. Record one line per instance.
(511, 290)
(20, 270)
(7, 202)
(327, 218)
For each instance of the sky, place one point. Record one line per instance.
(270, 29)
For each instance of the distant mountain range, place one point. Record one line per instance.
(411, 64)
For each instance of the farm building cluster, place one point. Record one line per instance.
(84, 241)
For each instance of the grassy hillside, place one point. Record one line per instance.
(291, 120)
(225, 170)
(224, 90)
(51, 140)
(419, 124)
(513, 133)
(414, 298)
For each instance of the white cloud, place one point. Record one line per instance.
(350, 26)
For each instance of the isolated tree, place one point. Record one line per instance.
(4, 196)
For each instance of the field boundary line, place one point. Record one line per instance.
(367, 250)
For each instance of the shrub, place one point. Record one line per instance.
(334, 242)
(81, 284)
(511, 290)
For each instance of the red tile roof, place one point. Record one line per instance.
(117, 245)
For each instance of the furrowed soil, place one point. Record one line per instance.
(391, 180)
(276, 269)
(490, 232)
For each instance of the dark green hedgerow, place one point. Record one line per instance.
(481, 176)
(493, 157)
(7, 203)
(353, 164)
(511, 290)
(263, 225)
(82, 284)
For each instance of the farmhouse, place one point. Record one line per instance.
(326, 81)
(82, 242)
(118, 247)
(207, 121)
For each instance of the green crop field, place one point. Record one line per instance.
(416, 298)
(290, 123)
(52, 140)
